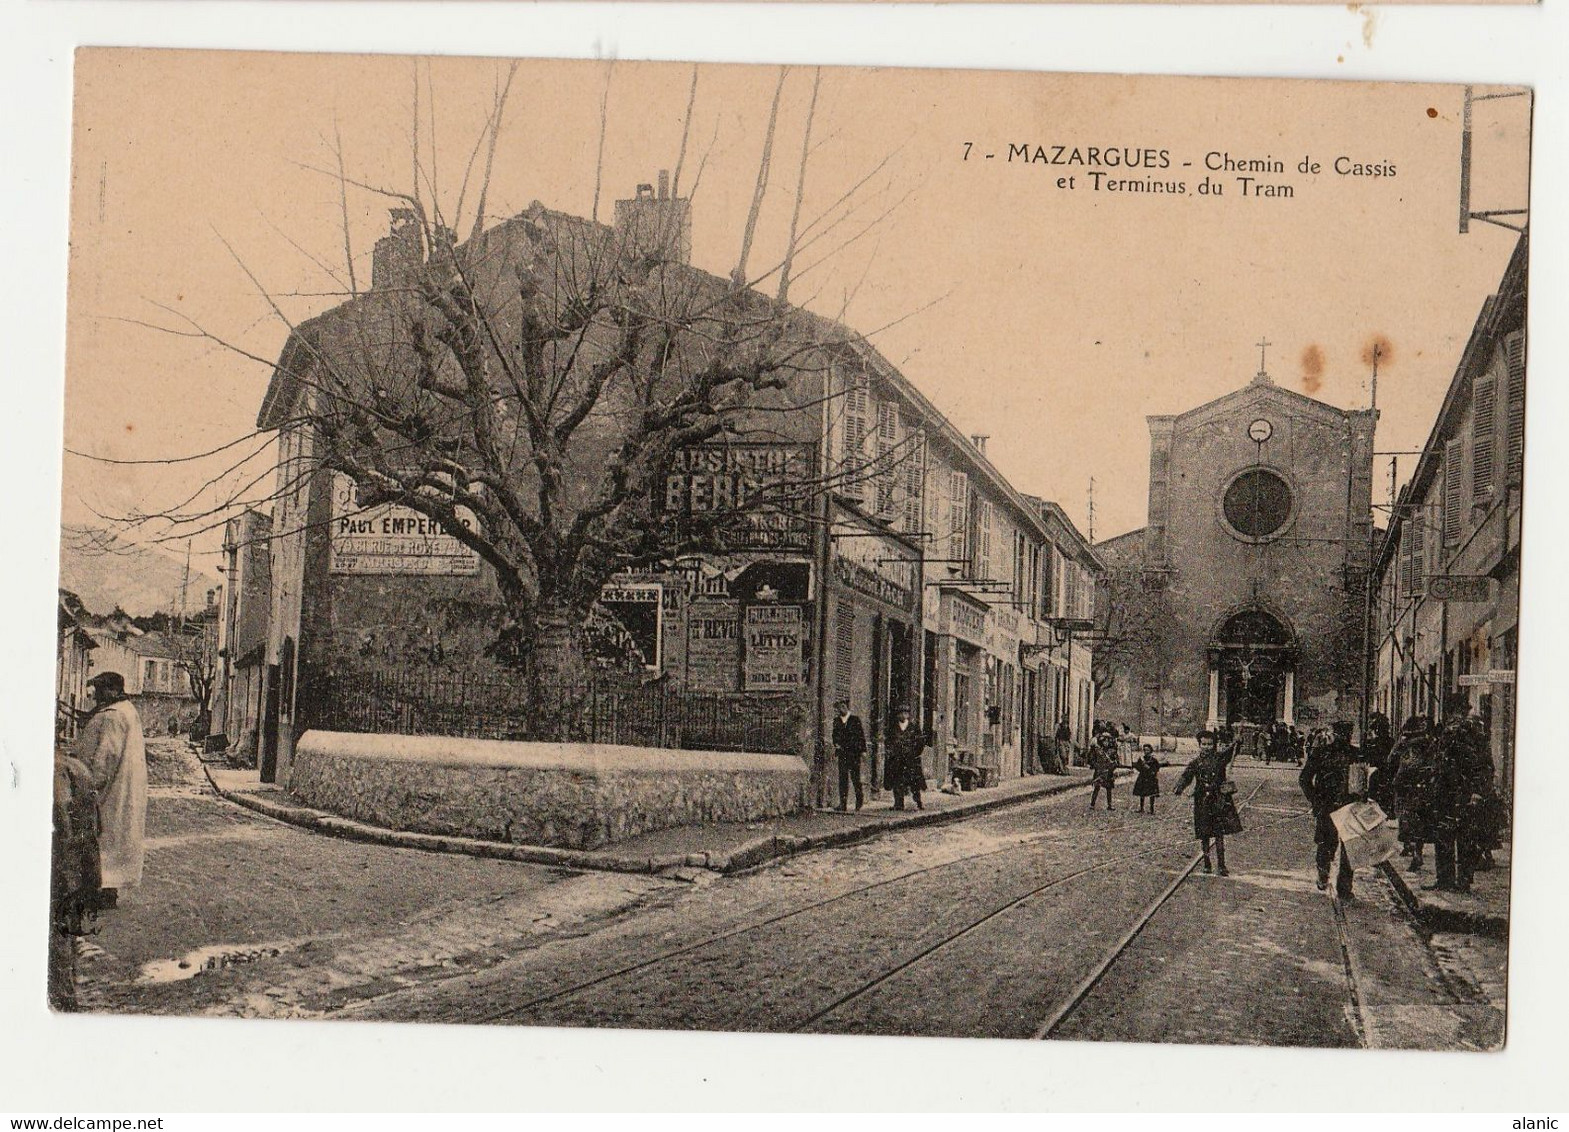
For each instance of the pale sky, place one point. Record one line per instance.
(1052, 319)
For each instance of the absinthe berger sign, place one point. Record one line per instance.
(757, 492)
(391, 539)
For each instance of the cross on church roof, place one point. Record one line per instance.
(1263, 344)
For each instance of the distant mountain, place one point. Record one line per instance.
(105, 570)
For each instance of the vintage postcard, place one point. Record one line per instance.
(710, 547)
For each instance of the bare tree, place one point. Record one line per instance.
(1135, 625)
(528, 387)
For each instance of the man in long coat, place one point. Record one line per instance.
(1325, 779)
(1464, 782)
(903, 773)
(110, 745)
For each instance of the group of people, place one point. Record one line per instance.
(1104, 761)
(1439, 782)
(902, 769)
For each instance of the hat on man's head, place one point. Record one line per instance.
(109, 681)
(1342, 726)
(1205, 734)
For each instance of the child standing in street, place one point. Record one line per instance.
(1147, 784)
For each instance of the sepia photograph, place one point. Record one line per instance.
(807, 550)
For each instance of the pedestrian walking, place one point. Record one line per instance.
(849, 740)
(1464, 781)
(1377, 751)
(1326, 780)
(1214, 811)
(902, 770)
(111, 747)
(1103, 767)
(1064, 742)
(1416, 778)
(1146, 784)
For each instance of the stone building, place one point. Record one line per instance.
(239, 697)
(1242, 599)
(1446, 581)
(831, 591)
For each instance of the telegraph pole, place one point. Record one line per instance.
(1372, 551)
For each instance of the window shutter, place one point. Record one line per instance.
(1514, 354)
(887, 443)
(844, 649)
(1048, 581)
(959, 518)
(1484, 410)
(1405, 558)
(853, 456)
(914, 482)
(1419, 528)
(1454, 485)
(983, 539)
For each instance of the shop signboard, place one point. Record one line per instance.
(774, 640)
(713, 645)
(391, 539)
(624, 627)
(963, 619)
(1487, 679)
(875, 565)
(757, 494)
(1456, 587)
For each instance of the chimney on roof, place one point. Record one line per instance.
(656, 224)
(400, 253)
(979, 439)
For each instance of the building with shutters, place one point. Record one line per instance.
(945, 582)
(837, 591)
(1446, 580)
(1243, 598)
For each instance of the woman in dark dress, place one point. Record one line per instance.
(1147, 784)
(1214, 813)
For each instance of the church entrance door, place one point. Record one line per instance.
(1252, 671)
(1252, 697)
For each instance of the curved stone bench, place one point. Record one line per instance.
(568, 795)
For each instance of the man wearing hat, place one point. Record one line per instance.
(1326, 780)
(849, 739)
(903, 773)
(110, 745)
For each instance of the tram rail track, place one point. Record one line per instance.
(670, 955)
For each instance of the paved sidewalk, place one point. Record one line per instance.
(1482, 911)
(725, 848)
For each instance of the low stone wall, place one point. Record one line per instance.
(568, 795)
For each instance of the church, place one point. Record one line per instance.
(1243, 599)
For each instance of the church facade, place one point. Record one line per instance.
(1243, 599)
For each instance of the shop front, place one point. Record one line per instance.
(871, 654)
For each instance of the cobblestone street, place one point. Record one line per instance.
(1007, 924)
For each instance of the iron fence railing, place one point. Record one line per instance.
(485, 706)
